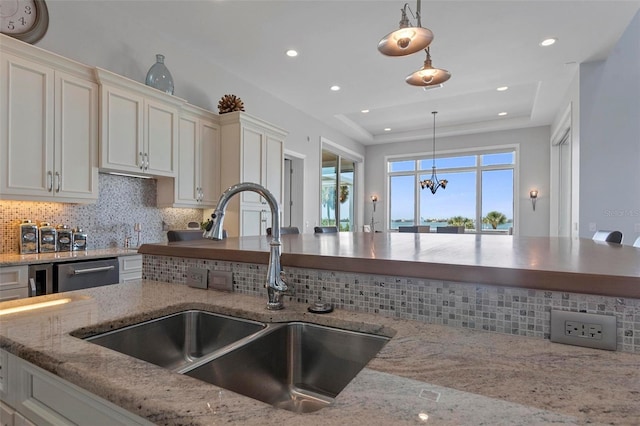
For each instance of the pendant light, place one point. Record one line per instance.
(428, 75)
(433, 183)
(407, 39)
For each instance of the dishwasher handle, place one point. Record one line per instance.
(92, 270)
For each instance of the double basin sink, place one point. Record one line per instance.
(296, 366)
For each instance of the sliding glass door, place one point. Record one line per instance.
(337, 191)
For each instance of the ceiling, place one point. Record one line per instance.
(484, 44)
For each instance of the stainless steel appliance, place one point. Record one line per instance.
(47, 278)
(79, 275)
(40, 279)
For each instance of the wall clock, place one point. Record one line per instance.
(26, 20)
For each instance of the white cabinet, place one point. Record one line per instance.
(13, 283)
(49, 122)
(198, 181)
(39, 397)
(130, 267)
(138, 127)
(252, 150)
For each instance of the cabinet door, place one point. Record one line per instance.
(26, 126)
(252, 164)
(209, 163)
(274, 157)
(255, 221)
(161, 135)
(76, 138)
(187, 181)
(121, 142)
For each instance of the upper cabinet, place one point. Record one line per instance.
(252, 151)
(49, 126)
(198, 181)
(138, 127)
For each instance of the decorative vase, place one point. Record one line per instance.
(159, 76)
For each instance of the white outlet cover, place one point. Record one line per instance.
(607, 322)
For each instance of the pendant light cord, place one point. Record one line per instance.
(434, 139)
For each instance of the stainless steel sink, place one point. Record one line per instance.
(176, 341)
(296, 366)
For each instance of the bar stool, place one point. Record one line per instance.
(608, 236)
(325, 229)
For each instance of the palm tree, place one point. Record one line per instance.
(461, 221)
(494, 219)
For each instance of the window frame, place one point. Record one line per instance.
(478, 168)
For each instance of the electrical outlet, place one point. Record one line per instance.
(197, 277)
(592, 227)
(582, 329)
(221, 280)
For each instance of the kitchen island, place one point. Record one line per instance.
(449, 375)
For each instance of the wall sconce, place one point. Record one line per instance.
(533, 194)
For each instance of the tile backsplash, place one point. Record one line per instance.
(123, 201)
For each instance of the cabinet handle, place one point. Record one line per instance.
(141, 160)
(146, 161)
(50, 181)
(59, 180)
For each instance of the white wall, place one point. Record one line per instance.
(534, 171)
(610, 139)
(102, 34)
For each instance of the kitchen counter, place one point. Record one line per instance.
(14, 259)
(555, 264)
(456, 376)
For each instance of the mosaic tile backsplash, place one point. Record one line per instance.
(496, 309)
(123, 201)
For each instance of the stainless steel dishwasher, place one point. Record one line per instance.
(78, 275)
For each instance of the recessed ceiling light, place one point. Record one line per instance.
(501, 114)
(335, 88)
(502, 88)
(364, 111)
(387, 129)
(292, 53)
(548, 42)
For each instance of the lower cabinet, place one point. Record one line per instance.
(130, 268)
(13, 282)
(35, 396)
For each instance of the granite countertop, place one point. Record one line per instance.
(455, 376)
(16, 259)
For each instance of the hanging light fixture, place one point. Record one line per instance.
(433, 183)
(428, 75)
(407, 39)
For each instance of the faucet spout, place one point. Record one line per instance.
(275, 285)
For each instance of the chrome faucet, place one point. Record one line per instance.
(275, 284)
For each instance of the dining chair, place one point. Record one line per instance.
(450, 229)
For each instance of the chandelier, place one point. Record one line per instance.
(433, 183)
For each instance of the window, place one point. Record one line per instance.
(479, 195)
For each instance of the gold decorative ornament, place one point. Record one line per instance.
(230, 103)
